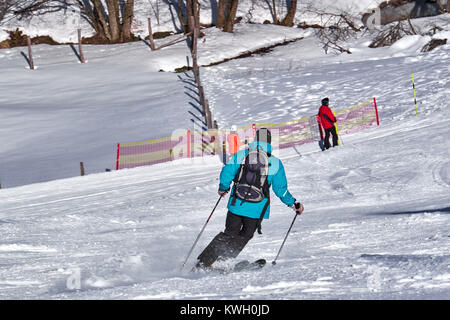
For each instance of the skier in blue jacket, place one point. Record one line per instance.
(244, 216)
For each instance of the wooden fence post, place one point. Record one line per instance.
(210, 121)
(82, 168)
(30, 53)
(80, 47)
(195, 67)
(194, 49)
(150, 35)
(201, 97)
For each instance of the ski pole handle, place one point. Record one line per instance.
(298, 208)
(199, 235)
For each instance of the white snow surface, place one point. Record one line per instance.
(377, 208)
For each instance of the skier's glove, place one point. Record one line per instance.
(298, 207)
(222, 193)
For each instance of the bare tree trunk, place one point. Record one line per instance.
(98, 14)
(232, 10)
(221, 14)
(448, 6)
(150, 35)
(114, 20)
(184, 23)
(275, 16)
(127, 20)
(196, 9)
(191, 12)
(288, 20)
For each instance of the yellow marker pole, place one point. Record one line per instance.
(337, 131)
(414, 90)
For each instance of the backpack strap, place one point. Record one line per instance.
(261, 217)
(235, 180)
(327, 118)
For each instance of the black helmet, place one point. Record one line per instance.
(263, 135)
(325, 101)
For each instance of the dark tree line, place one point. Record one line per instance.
(112, 19)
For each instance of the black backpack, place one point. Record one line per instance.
(251, 183)
(251, 180)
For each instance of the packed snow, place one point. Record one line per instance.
(376, 217)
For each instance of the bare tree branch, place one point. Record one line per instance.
(6, 7)
(111, 20)
(31, 7)
(335, 27)
(393, 33)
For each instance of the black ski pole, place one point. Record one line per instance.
(199, 235)
(274, 261)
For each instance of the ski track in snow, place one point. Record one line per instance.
(376, 217)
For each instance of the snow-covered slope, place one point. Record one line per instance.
(65, 112)
(377, 208)
(51, 114)
(375, 226)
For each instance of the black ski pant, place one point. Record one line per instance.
(333, 132)
(228, 244)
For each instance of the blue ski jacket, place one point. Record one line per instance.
(276, 178)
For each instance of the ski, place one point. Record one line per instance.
(243, 265)
(247, 265)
